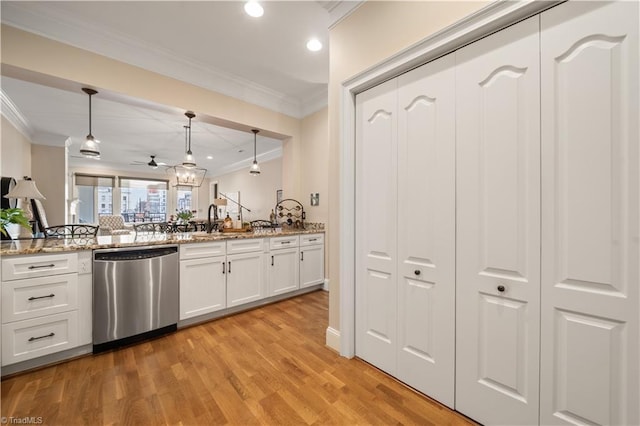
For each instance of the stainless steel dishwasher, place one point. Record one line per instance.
(135, 294)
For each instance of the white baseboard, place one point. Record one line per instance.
(326, 284)
(333, 339)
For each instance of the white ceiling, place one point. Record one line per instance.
(213, 44)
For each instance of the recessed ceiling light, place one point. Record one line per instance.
(254, 9)
(314, 45)
(209, 157)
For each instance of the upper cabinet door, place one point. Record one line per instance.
(376, 225)
(498, 226)
(590, 190)
(426, 228)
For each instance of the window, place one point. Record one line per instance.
(185, 199)
(95, 194)
(143, 200)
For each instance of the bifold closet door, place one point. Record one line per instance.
(426, 229)
(405, 228)
(376, 225)
(590, 194)
(498, 226)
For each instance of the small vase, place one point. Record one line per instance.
(13, 230)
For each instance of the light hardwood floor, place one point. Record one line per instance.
(266, 366)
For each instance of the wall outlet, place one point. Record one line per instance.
(84, 266)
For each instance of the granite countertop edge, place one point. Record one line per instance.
(59, 245)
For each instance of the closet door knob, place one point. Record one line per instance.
(501, 288)
(417, 272)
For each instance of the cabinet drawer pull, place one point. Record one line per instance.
(42, 266)
(229, 268)
(301, 255)
(501, 288)
(33, 339)
(285, 242)
(313, 239)
(41, 297)
(271, 260)
(223, 265)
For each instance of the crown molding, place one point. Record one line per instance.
(11, 112)
(339, 10)
(315, 102)
(98, 39)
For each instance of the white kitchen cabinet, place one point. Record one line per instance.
(245, 278)
(40, 305)
(284, 270)
(590, 193)
(498, 226)
(311, 265)
(311, 259)
(284, 265)
(203, 287)
(405, 228)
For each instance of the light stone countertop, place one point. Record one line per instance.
(56, 245)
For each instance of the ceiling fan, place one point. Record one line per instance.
(153, 164)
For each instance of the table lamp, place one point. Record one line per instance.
(25, 190)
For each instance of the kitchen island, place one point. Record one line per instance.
(47, 284)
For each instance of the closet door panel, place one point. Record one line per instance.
(498, 226)
(426, 229)
(591, 261)
(376, 229)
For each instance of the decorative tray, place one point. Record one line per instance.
(230, 230)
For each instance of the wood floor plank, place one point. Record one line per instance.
(264, 367)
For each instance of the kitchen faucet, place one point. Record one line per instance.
(210, 225)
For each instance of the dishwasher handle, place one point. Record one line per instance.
(147, 253)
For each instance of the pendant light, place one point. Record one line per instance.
(90, 146)
(189, 162)
(255, 168)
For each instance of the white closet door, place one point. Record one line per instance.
(590, 194)
(376, 225)
(426, 229)
(498, 226)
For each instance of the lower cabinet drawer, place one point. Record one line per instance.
(28, 339)
(36, 297)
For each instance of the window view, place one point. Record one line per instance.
(143, 200)
(95, 195)
(184, 199)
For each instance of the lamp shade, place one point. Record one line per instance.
(25, 189)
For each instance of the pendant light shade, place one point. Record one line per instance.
(189, 161)
(255, 168)
(89, 147)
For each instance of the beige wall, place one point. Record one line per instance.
(257, 193)
(15, 149)
(374, 32)
(48, 170)
(314, 164)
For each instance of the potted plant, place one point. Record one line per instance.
(11, 220)
(184, 216)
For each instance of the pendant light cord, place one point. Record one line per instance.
(90, 115)
(189, 150)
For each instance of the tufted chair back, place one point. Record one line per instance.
(113, 225)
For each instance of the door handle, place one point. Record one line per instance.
(301, 255)
(229, 268)
(223, 267)
(271, 260)
(41, 297)
(51, 265)
(33, 339)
